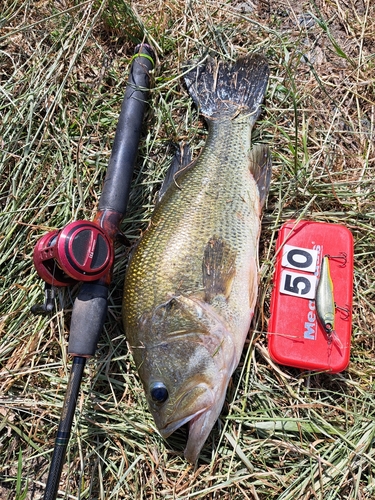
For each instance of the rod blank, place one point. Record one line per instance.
(90, 307)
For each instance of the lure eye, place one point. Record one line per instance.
(159, 393)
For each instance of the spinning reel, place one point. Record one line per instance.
(79, 252)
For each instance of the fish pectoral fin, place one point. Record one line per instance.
(218, 269)
(260, 164)
(181, 160)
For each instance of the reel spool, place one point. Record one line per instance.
(79, 252)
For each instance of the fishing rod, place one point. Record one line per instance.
(84, 251)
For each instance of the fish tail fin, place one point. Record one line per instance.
(225, 90)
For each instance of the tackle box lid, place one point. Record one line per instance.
(295, 335)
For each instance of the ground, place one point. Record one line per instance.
(284, 433)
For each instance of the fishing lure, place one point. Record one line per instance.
(325, 302)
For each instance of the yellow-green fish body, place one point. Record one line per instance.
(191, 284)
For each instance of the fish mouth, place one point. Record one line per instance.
(200, 425)
(171, 427)
(199, 429)
(207, 407)
(196, 400)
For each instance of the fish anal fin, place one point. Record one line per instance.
(260, 165)
(218, 269)
(181, 160)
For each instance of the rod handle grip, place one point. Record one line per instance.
(88, 317)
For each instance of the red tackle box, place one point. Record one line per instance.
(295, 335)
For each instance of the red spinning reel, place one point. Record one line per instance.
(79, 252)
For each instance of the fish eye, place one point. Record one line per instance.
(159, 392)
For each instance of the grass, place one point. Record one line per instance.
(284, 434)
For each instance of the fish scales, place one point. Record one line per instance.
(191, 284)
(204, 202)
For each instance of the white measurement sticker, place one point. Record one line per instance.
(303, 259)
(297, 284)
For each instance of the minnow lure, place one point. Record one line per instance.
(325, 302)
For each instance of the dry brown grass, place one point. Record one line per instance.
(285, 434)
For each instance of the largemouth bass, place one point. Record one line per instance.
(191, 284)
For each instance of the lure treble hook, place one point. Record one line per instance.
(342, 255)
(325, 302)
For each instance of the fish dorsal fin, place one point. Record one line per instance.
(181, 160)
(260, 165)
(218, 269)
